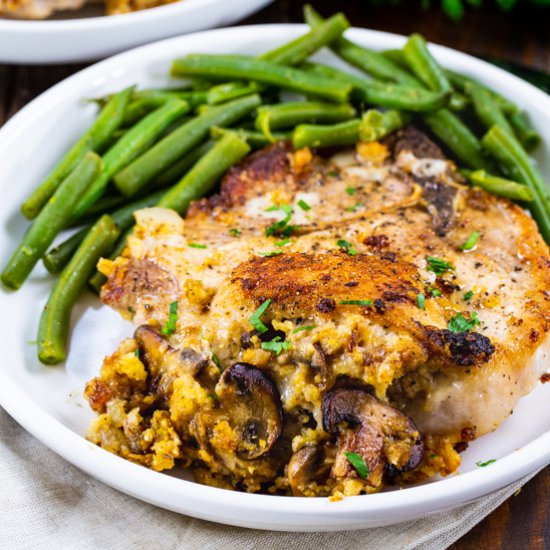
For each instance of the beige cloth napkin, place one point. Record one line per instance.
(47, 503)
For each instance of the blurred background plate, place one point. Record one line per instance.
(70, 39)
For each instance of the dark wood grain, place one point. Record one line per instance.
(523, 522)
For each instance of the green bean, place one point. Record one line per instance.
(109, 120)
(517, 164)
(256, 140)
(424, 65)
(265, 72)
(177, 170)
(397, 56)
(460, 82)
(97, 279)
(51, 219)
(167, 151)
(458, 138)
(313, 135)
(228, 91)
(134, 142)
(370, 61)
(55, 259)
(382, 94)
(56, 316)
(487, 110)
(523, 130)
(285, 115)
(500, 186)
(376, 125)
(205, 173)
(104, 205)
(300, 49)
(458, 101)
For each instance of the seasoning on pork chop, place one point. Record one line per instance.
(309, 276)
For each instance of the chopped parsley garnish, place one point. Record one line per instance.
(435, 292)
(170, 325)
(304, 205)
(216, 361)
(283, 242)
(276, 345)
(355, 207)
(270, 253)
(468, 295)
(346, 247)
(306, 327)
(358, 463)
(459, 323)
(213, 396)
(333, 174)
(438, 266)
(136, 352)
(234, 232)
(131, 311)
(351, 190)
(281, 227)
(433, 455)
(197, 245)
(421, 300)
(471, 241)
(255, 319)
(480, 464)
(364, 303)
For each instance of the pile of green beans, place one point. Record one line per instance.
(167, 147)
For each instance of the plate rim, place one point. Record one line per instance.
(111, 469)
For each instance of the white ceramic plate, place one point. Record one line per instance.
(48, 401)
(82, 39)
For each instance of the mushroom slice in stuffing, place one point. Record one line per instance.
(386, 439)
(309, 465)
(253, 407)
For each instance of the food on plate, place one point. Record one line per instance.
(363, 303)
(357, 301)
(40, 9)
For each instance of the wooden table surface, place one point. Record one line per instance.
(523, 522)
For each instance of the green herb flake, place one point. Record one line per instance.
(433, 455)
(197, 245)
(276, 345)
(136, 352)
(131, 311)
(332, 174)
(470, 242)
(255, 319)
(355, 207)
(306, 327)
(280, 227)
(438, 266)
(421, 300)
(358, 463)
(304, 205)
(170, 325)
(346, 246)
(217, 362)
(270, 253)
(234, 232)
(364, 303)
(213, 396)
(480, 464)
(459, 323)
(351, 190)
(435, 292)
(283, 242)
(468, 295)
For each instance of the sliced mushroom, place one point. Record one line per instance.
(309, 465)
(386, 439)
(252, 403)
